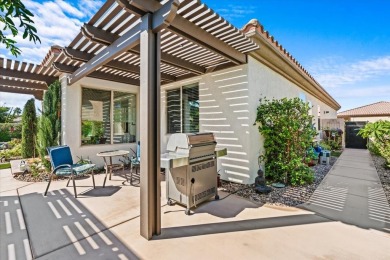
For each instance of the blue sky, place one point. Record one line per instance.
(345, 44)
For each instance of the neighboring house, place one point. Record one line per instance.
(204, 89)
(368, 113)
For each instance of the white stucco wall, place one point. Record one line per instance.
(224, 111)
(265, 82)
(228, 102)
(71, 117)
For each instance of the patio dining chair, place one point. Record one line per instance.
(62, 165)
(135, 162)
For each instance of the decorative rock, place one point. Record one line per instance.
(287, 196)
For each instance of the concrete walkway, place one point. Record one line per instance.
(352, 193)
(347, 218)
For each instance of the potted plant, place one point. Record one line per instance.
(311, 158)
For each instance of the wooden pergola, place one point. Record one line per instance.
(148, 43)
(25, 78)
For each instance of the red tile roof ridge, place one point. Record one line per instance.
(346, 112)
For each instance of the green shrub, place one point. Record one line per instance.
(325, 145)
(15, 150)
(288, 131)
(373, 148)
(378, 134)
(8, 131)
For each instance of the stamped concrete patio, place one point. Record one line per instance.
(346, 218)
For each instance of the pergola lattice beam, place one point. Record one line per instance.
(114, 64)
(188, 30)
(27, 75)
(96, 74)
(120, 45)
(22, 84)
(106, 38)
(131, 38)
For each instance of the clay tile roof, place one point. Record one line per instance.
(381, 108)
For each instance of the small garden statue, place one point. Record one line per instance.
(260, 186)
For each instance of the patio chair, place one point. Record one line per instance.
(62, 165)
(135, 161)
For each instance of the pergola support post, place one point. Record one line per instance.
(150, 133)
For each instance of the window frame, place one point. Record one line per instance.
(181, 106)
(111, 115)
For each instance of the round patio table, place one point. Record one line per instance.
(107, 157)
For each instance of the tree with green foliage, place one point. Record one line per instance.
(50, 120)
(4, 114)
(288, 132)
(15, 9)
(29, 129)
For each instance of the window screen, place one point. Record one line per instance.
(95, 116)
(190, 109)
(183, 110)
(173, 111)
(124, 117)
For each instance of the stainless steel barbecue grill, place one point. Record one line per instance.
(191, 168)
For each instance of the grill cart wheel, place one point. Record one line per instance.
(170, 202)
(216, 197)
(188, 212)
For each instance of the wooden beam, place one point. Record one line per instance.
(127, 41)
(38, 94)
(192, 32)
(22, 84)
(98, 35)
(120, 45)
(96, 74)
(165, 57)
(114, 64)
(27, 75)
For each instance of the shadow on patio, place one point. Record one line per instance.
(60, 227)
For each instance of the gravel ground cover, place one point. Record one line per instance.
(383, 173)
(287, 196)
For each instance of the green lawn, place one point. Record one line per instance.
(5, 166)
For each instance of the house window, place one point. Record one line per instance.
(183, 109)
(99, 125)
(124, 117)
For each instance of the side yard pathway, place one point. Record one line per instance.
(352, 193)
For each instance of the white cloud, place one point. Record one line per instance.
(57, 22)
(70, 9)
(333, 72)
(235, 11)
(16, 100)
(89, 7)
(379, 92)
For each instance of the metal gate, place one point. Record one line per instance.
(352, 140)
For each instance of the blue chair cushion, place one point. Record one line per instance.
(135, 161)
(78, 169)
(60, 155)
